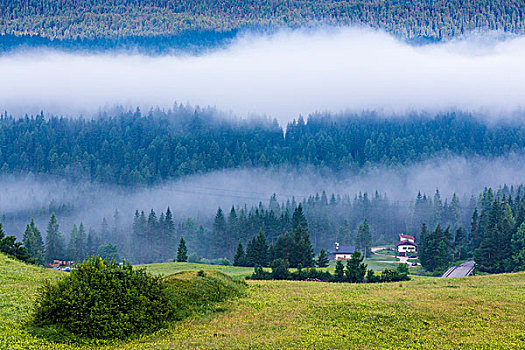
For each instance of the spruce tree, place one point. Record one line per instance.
(355, 268)
(220, 240)
(54, 241)
(34, 243)
(240, 258)
(71, 249)
(459, 239)
(298, 218)
(518, 248)
(182, 251)
(80, 243)
(364, 238)
(339, 274)
(322, 259)
(257, 251)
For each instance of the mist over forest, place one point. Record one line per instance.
(280, 75)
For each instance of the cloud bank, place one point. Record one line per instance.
(281, 75)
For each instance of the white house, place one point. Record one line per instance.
(406, 245)
(343, 252)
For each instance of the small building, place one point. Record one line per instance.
(406, 246)
(60, 263)
(343, 252)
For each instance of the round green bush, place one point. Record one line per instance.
(104, 300)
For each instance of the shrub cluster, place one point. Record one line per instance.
(105, 300)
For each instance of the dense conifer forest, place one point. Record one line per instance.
(102, 19)
(131, 149)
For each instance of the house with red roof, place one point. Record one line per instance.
(406, 246)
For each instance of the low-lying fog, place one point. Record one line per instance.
(200, 195)
(281, 75)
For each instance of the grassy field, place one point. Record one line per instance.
(430, 313)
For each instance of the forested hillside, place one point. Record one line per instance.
(430, 19)
(132, 149)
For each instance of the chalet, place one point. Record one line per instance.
(406, 246)
(343, 252)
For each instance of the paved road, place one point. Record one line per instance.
(401, 259)
(463, 270)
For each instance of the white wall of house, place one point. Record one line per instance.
(406, 248)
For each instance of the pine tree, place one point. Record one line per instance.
(257, 251)
(339, 274)
(355, 268)
(518, 248)
(240, 258)
(54, 241)
(219, 235)
(182, 251)
(474, 237)
(322, 260)
(34, 243)
(424, 250)
(459, 239)
(298, 218)
(71, 249)
(80, 243)
(364, 237)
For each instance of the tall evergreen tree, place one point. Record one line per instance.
(298, 218)
(220, 239)
(518, 248)
(322, 259)
(54, 241)
(33, 242)
(257, 251)
(71, 250)
(364, 238)
(459, 239)
(182, 251)
(355, 268)
(240, 257)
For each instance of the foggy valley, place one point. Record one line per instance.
(237, 174)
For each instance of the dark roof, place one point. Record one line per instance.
(344, 249)
(405, 243)
(406, 236)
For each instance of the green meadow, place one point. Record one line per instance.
(486, 312)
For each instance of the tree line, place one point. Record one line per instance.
(495, 240)
(425, 19)
(488, 228)
(355, 271)
(130, 148)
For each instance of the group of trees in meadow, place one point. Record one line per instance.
(149, 18)
(355, 271)
(294, 246)
(132, 149)
(495, 240)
